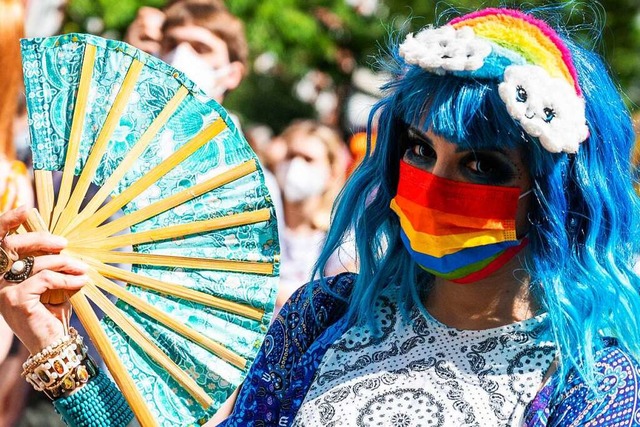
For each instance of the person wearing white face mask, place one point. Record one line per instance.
(207, 43)
(310, 176)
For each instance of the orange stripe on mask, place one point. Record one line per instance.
(438, 223)
(439, 246)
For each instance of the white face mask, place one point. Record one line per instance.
(300, 181)
(207, 77)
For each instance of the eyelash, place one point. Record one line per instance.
(497, 170)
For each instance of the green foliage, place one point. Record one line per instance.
(116, 15)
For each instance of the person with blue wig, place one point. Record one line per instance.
(496, 227)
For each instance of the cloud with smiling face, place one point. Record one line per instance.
(546, 107)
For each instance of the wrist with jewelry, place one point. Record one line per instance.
(60, 367)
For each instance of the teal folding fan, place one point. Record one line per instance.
(163, 198)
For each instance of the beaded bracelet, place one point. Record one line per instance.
(51, 349)
(60, 367)
(98, 404)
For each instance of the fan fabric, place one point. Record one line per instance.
(53, 68)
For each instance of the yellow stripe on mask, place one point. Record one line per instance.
(439, 246)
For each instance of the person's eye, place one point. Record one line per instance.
(490, 169)
(201, 48)
(169, 44)
(419, 149)
(423, 151)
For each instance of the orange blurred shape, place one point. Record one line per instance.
(358, 149)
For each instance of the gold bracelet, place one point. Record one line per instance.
(51, 349)
(74, 379)
(57, 365)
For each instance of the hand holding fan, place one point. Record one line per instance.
(197, 227)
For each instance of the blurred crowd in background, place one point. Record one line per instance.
(297, 78)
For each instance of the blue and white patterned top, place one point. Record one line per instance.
(413, 370)
(305, 329)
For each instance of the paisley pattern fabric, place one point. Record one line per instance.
(618, 404)
(417, 371)
(287, 364)
(52, 75)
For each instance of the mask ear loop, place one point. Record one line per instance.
(529, 191)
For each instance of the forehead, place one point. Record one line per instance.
(309, 146)
(516, 154)
(191, 33)
(469, 113)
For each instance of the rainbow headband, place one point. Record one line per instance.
(538, 81)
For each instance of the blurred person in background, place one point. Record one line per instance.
(145, 32)
(201, 38)
(15, 190)
(206, 43)
(311, 175)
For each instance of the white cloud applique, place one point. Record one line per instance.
(443, 49)
(547, 108)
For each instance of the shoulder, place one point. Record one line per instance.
(317, 304)
(617, 401)
(329, 290)
(275, 375)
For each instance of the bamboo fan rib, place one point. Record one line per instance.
(99, 147)
(44, 195)
(173, 290)
(149, 178)
(160, 206)
(253, 267)
(200, 280)
(126, 384)
(128, 161)
(73, 145)
(176, 231)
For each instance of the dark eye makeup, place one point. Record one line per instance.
(419, 148)
(481, 166)
(489, 167)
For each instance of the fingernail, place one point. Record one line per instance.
(80, 280)
(82, 266)
(59, 241)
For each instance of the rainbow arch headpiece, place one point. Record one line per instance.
(538, 81)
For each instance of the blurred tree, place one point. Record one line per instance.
(288, 38)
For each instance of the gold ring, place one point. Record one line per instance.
(20, 270)
(5, 261)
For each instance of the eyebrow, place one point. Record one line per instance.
(459, 148)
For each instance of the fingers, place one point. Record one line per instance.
(47, 280)
(59, 263)
(12, 219)
(20, 245)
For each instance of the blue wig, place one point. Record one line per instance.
(584, 221)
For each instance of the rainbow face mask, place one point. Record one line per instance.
(449, 227)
